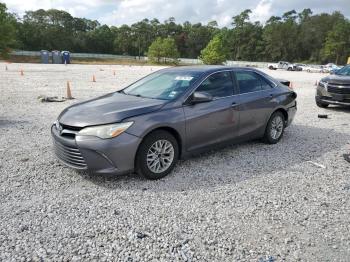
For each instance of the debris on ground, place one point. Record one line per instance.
(322, 116)
(44, 99)
(317, 164)
(347, 157)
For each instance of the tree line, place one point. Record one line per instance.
(293, 36)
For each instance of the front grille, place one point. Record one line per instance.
(73, 128)
(338, 90)
(69, 155)
(69, 131)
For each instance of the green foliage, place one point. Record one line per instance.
(163, 49)
(7, 31)
(337, 44)
(214, 53)
(292, 36)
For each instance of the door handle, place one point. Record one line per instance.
(234, 104)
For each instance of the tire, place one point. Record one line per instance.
(289, 69)
(150, 162)
(271, 67)
(321, 104)
(270, 137)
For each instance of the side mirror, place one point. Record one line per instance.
(201, 97)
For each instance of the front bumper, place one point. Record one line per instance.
(324, 96)
(102, 156)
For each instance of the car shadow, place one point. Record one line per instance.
(234, 163)
(345, 109)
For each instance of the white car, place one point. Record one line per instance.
(330, 67)
(313, 69)
(282, 65)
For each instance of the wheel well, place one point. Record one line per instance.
(284, 112)
(171, 131)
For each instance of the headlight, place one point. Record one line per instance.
(105, 131)
(322, 83)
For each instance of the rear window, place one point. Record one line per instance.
(251, 82)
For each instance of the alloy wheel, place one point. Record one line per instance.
(276, 127)
(160, 156)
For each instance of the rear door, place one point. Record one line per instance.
(215, 121)
(256, 101)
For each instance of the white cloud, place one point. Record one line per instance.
(117, 12)
(262, 11)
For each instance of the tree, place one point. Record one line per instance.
(245, 38)
(337, 46)
(214, 53)
(7, 31)
(280, 38)
(163, 48)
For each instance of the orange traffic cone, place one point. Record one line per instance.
(93, 78)
(22, 73)
(69, 93)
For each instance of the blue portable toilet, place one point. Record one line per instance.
(44, 55)
(56, 57)
(65, 57)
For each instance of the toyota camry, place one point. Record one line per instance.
(172, 114)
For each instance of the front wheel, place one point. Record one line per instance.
(275, 128)
(157, 155)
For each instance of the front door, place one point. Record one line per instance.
(215, 121)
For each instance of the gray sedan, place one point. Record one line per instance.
(171, 114)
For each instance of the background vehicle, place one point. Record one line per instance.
(334, 89)
(283, 65)
(169, 114)
(313, 69)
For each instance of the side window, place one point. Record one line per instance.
(248, 82)
(218, 85)
(265, 84)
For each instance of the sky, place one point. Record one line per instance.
(118, 12)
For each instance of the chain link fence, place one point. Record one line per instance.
(186, 61)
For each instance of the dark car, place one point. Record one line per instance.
(171, 114)
(334, 89)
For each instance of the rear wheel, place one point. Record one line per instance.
(321, 104)
(157, 155)
(271, 67)
(275, 128)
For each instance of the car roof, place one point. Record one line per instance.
(205, 68)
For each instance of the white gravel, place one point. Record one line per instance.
(248, 202)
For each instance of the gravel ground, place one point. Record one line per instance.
(247, 202)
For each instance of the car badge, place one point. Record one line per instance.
(58, 126)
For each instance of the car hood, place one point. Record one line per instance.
(110, 108)
(337, 79)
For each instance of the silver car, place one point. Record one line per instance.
(171, 114)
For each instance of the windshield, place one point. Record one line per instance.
(345, 71)
(162, 85)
